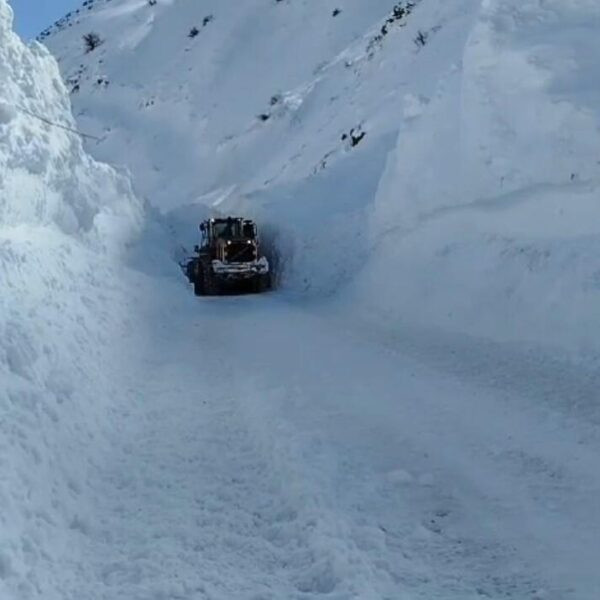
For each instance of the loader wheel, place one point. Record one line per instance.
(199, 287)
(262, 283)
(195, 275)
(211, 283)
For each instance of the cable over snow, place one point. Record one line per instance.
(47, 179)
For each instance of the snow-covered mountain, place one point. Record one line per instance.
(448, 151)
(427, 174)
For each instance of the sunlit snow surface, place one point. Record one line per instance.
(412, 414)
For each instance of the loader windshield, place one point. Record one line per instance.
(227, 229)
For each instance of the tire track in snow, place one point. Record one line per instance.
(194, 502)
(265, 454)
(506, 486)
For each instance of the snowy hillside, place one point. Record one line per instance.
(286, 109)
(474, 185)
(392, 422)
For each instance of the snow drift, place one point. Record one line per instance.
(64, 218)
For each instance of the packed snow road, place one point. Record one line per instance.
(267, 451)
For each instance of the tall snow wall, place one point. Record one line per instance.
(64, 220)
(486, 220)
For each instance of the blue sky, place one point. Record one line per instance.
(33, 16)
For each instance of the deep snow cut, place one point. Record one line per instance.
(442, 156)
(158, 445)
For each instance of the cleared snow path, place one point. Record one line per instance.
(265, 453)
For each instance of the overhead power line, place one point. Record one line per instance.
(58, 125)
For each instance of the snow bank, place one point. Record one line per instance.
(486, 220)
(46, 177)
(63, 220)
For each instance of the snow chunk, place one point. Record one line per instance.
(414, 106)
(400, 477)
(7, 113)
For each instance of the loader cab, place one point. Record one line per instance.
(229, 239)
(229, 228)
(226, 229)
